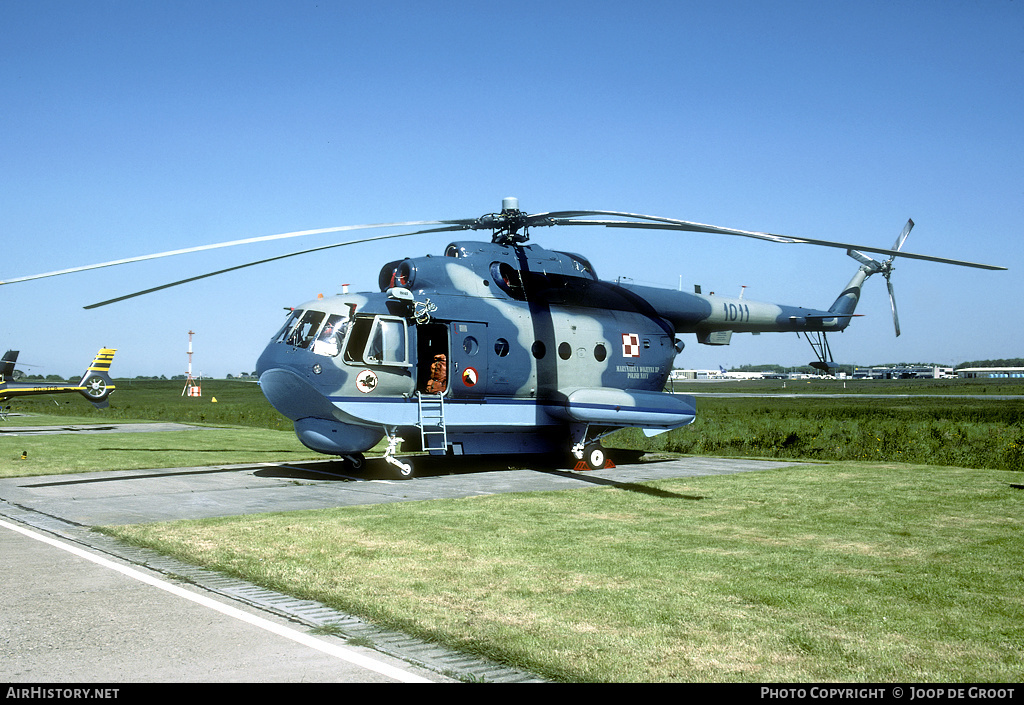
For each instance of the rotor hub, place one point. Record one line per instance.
(510, 226)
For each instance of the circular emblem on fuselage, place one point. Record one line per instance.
(470, 377)
(366, 381)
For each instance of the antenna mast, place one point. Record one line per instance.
(191, 385)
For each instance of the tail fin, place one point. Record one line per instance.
(846, 303)
(7, 364)
(96, 383)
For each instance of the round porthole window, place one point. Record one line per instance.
(538, 349)
(600, 352)
(501, 347)
(564, 351)
(470, 346)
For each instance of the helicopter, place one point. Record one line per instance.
(95, 384)
(506, 347)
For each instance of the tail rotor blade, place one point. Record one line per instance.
(863, 259)
(892, 303)
(898, 245)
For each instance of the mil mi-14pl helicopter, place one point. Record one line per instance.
(504, 347)
(95, 384)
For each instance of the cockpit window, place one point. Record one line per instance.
(305, 332)
(293, 317)
(331, 337)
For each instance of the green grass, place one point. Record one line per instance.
(828, 385)
(904, 569)
(981, 433)
(87, 452)
(834, 572)
(906, 426)
(239, 427)
(237, 404)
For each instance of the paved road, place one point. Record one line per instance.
(72, 613)
(136, 496)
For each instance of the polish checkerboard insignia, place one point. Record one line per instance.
(630, 345)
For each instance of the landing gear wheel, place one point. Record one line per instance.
(403, 470)
(355, 462)
(594, 456)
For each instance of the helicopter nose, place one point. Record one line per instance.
(293, 396)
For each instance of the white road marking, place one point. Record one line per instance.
(336, 651)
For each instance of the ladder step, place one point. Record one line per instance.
(431, 422)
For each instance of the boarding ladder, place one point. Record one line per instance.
(433, 434)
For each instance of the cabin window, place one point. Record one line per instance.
(380, 340)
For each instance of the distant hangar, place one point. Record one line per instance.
(989, 372)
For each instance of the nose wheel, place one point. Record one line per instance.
(404, 470)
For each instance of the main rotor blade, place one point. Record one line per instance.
(269, 259)
(247, 241)
(668, 224)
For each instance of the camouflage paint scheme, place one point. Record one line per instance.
(542, 355)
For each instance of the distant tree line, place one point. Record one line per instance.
(1008, 362)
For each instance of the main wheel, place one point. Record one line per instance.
(356, 462)
(594, 456)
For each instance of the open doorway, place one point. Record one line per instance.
(432, 358)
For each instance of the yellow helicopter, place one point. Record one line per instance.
(95, 384)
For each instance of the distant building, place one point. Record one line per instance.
(989, 372)
(903, 372)
(678, 375)
(722, 374)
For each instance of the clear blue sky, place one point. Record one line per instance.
(136, 127)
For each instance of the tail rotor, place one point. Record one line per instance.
(873, 266)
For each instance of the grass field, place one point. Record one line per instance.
(894, 557)
(838, 572)
(911, 423)
(971, 432)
